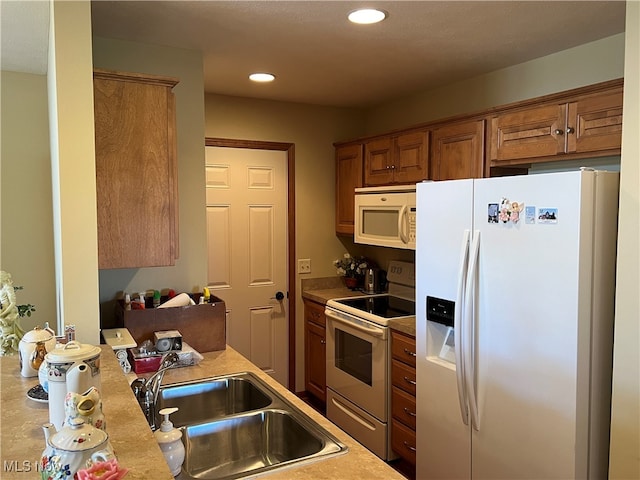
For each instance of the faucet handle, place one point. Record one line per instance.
(138, 386)
(169, 360)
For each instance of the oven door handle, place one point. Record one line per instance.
(374, 332)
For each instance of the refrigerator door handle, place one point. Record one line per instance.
(458, 326)
(470, 329)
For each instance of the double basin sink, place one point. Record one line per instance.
(237, 426)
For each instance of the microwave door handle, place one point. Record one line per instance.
(403, 219)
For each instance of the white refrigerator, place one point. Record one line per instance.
(514, 326)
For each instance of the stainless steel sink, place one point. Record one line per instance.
(237, 426)
(205, 400)
(251, 444)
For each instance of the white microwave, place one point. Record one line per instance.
(386, 216)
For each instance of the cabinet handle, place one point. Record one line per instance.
(393, 167)
(323, 341)
(570, 130)
(413, 449)
(558, 131)
(411, 382)
(409, 412)
(409, 352)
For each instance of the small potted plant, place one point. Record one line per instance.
(352, 269)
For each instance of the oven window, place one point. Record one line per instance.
(354, 356)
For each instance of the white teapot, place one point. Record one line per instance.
(33, 347)
(75, 447)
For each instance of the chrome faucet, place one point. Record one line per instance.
(146, 390)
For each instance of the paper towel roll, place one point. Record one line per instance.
(181, 300)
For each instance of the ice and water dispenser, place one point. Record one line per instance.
(440, 332)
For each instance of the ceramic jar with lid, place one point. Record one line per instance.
(74, 367)
(32, 349)
(75, 447)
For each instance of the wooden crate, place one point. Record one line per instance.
(201, 326)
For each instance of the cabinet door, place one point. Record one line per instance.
(378, 162)
(315, 363)
(136, 184)
(348, 177)
(410, 162)
(531, 133)
(595, 123)
(457, 151)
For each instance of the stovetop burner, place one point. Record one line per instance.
(385, 306)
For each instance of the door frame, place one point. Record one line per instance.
(291, 230)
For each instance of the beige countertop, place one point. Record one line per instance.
(22, 439)
(404, 325)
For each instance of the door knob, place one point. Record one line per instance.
(279, 296)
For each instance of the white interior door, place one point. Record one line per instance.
(247, 251)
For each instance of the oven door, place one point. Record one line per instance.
(358, 362)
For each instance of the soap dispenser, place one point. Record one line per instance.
(170, 442)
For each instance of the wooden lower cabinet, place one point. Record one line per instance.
(315, 367)
(403, 441)
(403, 396)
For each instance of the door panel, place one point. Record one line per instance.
(247, 250)
(528, 351)
(443, 440)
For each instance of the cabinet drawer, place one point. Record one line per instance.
(403, 407)
(403, 348)
(403, 376)
(314, 312)
(403, 441)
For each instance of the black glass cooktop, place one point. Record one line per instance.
(386, 306)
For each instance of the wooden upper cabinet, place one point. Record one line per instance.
(457, 151)
(378, 162)
(348, 178)
(136, 170)
(597, 123)
(398, 158)
(587, 125)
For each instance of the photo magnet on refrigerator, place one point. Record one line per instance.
(492, 213)
(530, 214)
(548, 215)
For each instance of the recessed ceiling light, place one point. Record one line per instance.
(367, 16)
(262, 77)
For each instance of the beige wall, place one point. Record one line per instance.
(26, 248)
(625, 421)
(189, 273)
(313, 130)
(583, 65)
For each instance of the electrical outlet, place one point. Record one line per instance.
(304, 265)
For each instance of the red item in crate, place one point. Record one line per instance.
(144, 362)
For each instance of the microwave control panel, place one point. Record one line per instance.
(412, 225)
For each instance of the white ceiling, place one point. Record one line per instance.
(321, 58)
